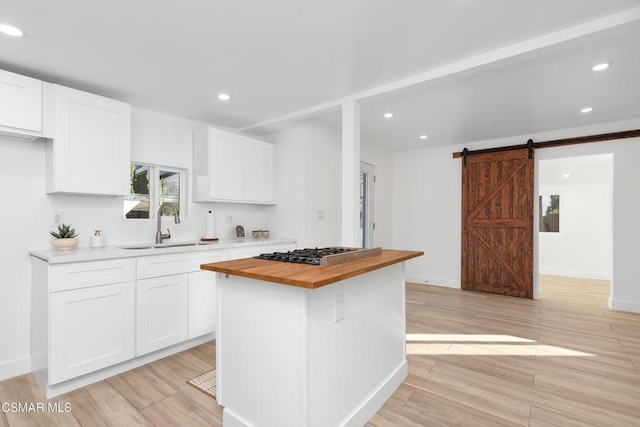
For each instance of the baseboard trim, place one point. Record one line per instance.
(435, 281)
(229, 419)
(374, 402)
(84, 380)
(631, 306)
(14, 368)
(573, 273)
(360, 415)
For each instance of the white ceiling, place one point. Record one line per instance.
(280, 57)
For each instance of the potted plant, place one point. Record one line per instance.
(64, 238)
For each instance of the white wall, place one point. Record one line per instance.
(583, 247)
(427, 213)
(427, 194)
(323, 172)
(287, 217)
(308, 180)
(27, 214)
(309, 159)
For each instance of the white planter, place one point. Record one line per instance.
(65, 244)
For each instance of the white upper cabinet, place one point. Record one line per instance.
(232, 168)
(258, 183)
(91, 149)
(20, 104)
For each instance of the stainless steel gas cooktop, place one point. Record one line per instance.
(322, 256)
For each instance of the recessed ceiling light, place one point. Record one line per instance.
(388, 115)
(423, 137)
(586, 110)
(10, 30)
(600, 67)
(566, 175)
(224, 96)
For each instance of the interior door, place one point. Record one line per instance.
(497, 223)
(367, 225)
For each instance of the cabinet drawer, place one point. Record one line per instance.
(166, 265)
(88, 274)
(247, 252)
(283, 247)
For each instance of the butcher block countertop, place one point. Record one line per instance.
(308, 276)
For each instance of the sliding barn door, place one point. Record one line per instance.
(497, 223)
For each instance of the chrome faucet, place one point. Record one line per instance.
(159, 235)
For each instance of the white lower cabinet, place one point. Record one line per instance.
(202, 303)
(90, 329)
(83, 317)
(176, 300)
(161, 312)
(93, 319)
(248, 252)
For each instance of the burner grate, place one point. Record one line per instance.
(304, 256)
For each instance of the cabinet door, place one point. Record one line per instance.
(90, 329)
(202, 303)
(226, 170)
(258, 183)
(161, 312)
(91, 150)
(20, 102)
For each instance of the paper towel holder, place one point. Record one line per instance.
(210, 233)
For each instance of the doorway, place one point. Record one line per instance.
(574, 222)
(367, 225)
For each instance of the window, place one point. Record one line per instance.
(549, 208)
(153, 186)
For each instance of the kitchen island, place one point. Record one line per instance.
(304, 345)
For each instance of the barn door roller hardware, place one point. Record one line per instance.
(530, 145)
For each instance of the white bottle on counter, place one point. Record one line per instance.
(97, 239)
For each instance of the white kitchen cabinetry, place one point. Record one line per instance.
(91, 329)
(96, 318)
(175, 299)
(91, 149)
(161, 312)
(247, 252)
(202, 303)
(21, 105)
(202, 310)
(90, 320)
(251, 251)
(232, 168)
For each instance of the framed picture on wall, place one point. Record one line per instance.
(238, 232)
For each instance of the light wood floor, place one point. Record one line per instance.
(474, 360)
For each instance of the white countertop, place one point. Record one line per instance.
(53, 256)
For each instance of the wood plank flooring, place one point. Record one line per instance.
(474, 360)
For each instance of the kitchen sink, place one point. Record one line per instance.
(164, 245)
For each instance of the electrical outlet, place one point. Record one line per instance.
(58, 218)
(339, 314)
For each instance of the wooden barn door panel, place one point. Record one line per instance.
(497, 223)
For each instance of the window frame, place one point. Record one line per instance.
(154, 190)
